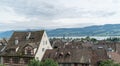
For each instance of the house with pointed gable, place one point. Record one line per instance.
(24, 46)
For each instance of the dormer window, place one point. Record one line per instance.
(16, 41)
(68, 53)
(61, 54)
(29, 50)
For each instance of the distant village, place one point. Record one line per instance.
(26, 45)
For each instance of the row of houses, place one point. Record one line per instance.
(26, 45)
(87, 53)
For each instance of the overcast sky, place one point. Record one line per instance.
(51, 14)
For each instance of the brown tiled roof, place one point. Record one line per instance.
(114, 56)
(109, 44)
(99, 55)
(68, 45)
(57, 43)
(33, 41)
(69, 55)
(21, 36)
(118, 47)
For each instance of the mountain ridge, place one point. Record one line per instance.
(95, 30)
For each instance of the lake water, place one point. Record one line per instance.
(96, 37)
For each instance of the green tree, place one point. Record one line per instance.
(34, 62)
(116, 64)
(2, 65)
(115, 39)
(87, 38)
(50, 62)
(108, 63)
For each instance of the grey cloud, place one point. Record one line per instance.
(34, 8)
(47, 11)
(52, 10)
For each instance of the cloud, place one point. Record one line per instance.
(61, 9)
(9, 16)
(51, 14)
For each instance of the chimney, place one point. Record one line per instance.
(28, 36)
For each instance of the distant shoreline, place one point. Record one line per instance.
(96, 37)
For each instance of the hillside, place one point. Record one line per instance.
(101, 30)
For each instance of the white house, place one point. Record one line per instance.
(24, 46)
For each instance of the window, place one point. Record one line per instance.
(12, 50)
(37, 58)
(6, 60)
(85, 65)
(48, 47)
(16, 60)
(16, 41)
(29, 50)
(26, 60)
(43, 42)
(66, 64)
(75, 64)
(46, 42)
(43, 49)
(31, 38)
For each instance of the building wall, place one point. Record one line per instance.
(19, 61)
(1, 60)
(44, 44)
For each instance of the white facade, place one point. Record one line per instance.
(44, 45)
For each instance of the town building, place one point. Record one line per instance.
(24, 46)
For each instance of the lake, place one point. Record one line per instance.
(96, 37)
